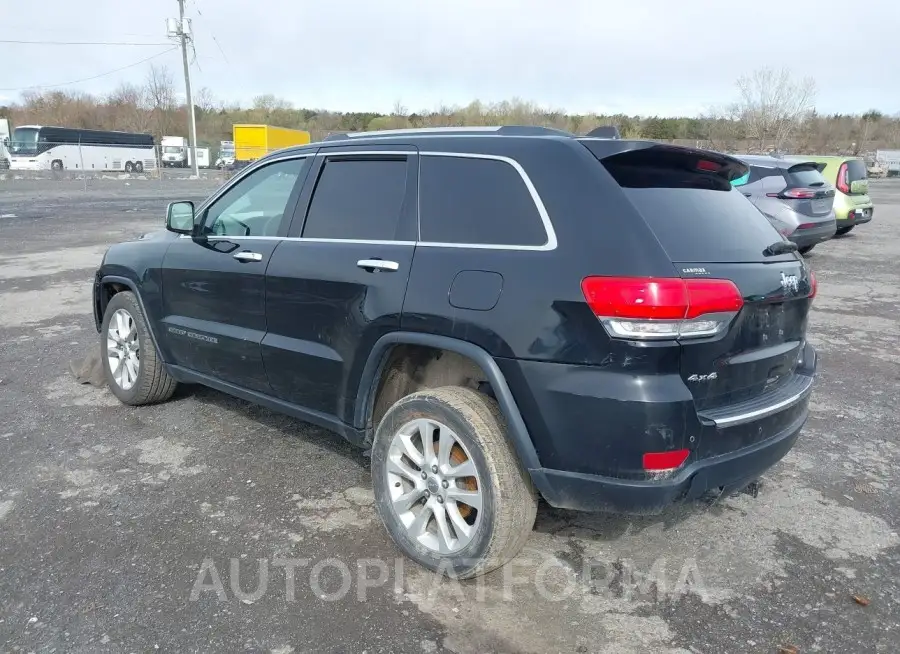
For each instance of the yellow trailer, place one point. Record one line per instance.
(254, 141)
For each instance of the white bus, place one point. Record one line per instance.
(34, 147)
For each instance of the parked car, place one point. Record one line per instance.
(794, 196)
(499, 314)
(852, 204)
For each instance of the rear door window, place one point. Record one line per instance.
(358, 199)
(476, 201)
(697, 216)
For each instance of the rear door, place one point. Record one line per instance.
(338, 284)
(709, 230)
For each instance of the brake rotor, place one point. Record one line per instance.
(458, 457)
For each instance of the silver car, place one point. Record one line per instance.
(794, 196)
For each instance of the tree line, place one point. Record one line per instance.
(773, 112)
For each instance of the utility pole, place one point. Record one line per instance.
(183, 36)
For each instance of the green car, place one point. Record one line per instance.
(852, 204)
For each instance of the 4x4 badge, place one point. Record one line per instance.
(790, 283)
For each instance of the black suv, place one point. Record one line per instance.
(500, 314)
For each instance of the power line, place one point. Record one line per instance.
(76, 42)
(215, 40)
(93, 77)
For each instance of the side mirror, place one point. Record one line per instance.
(6, 141)
(180, 217)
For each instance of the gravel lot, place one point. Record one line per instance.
(116, 524)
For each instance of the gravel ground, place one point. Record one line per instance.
(208, 524)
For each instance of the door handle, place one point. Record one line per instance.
(371, 265)
(747, 195)
(248, 256)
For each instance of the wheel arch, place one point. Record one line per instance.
(107, 287)
(376, 368)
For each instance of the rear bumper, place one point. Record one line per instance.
(857, 217)
(727, 472)
(591, 425)
(813, 235)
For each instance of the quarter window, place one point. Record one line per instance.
(475, 201)
(255, 206)
(358, 199)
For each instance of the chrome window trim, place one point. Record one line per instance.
(550, 232)
(550, 244)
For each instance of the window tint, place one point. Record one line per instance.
(255, 206)
(357, 199)
(856, 170)
(697, 217)
(476, 201)
(806, 176)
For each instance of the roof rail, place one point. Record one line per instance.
(500, 130)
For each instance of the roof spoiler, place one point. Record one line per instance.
(807, 164)
(605, 132)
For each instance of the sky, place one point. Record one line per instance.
(644, 57)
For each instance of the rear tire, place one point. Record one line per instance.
(431, 519)
(843, 230)
(806, 249)
(138, 167)
(146, 380)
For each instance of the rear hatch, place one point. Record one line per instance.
(710, 231)
(807, 192)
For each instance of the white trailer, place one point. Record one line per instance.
(202, 158)
(889, 160)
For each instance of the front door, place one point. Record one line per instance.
(339, 284)
(214, 284)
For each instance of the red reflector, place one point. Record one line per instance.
(710, 166)
(649, 298)
(665, 460)
(813, 285)
(805, 225)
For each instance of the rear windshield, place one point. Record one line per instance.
(805, 176)
(856, 169)
(697, 217)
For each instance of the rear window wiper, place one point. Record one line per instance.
(780, 247)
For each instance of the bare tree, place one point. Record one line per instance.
(128, 108)
(772, 105)
(160, 89)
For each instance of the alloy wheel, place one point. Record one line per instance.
(434, 486)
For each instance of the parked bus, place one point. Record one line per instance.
(34, 147)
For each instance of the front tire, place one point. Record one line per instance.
(843, 230)
(133, 370)
(448, 485)
(138, 167)
(56, 164)
(128, 167)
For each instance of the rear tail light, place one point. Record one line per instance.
(843, 178)
(662, 308)
(794, 194)
(658, 461)
(806, 225)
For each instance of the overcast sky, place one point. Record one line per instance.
(660, 57)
